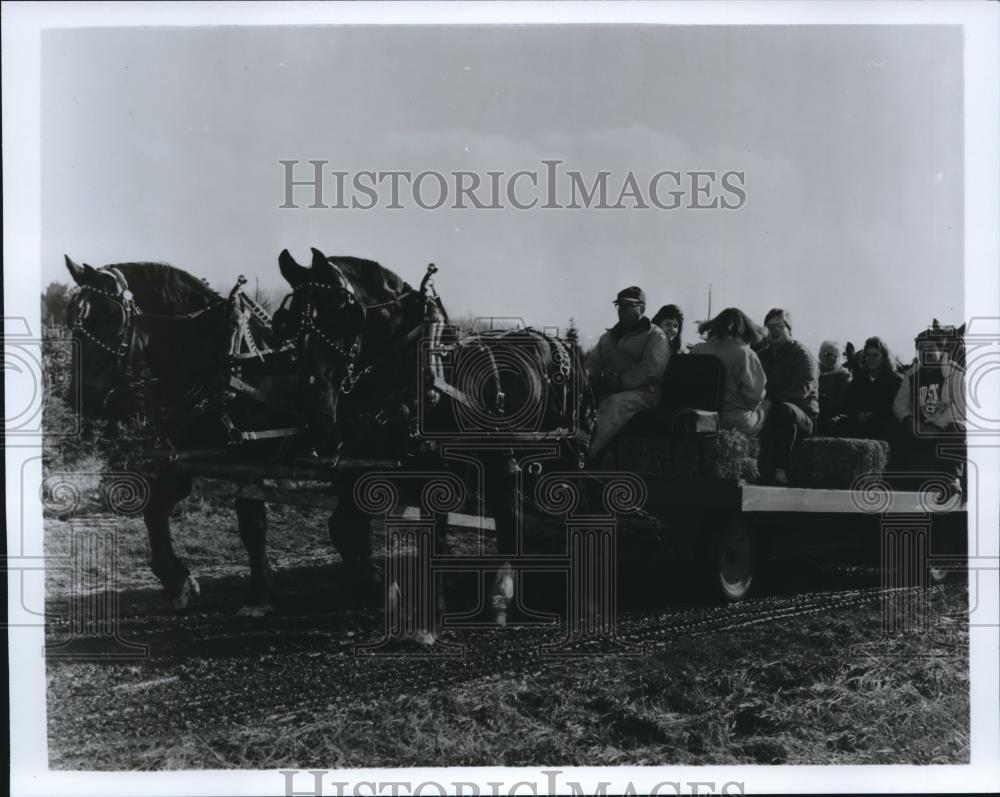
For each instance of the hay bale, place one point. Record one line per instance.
(835, 462)
(734, 456)
(726, 455)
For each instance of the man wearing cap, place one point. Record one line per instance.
(930, 404)
(792, 390)
(626, 368)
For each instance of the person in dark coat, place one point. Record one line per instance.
(792, 390)
(869, 399)
(834, 380)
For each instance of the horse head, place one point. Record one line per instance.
(349, 319)
(100, 317)
(136, 324)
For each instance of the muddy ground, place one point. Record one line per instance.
(806, 672)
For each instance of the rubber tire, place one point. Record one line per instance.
(736, 560)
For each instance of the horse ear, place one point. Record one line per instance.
(961, 331)
(319, 259)
(935, 324)
(82, 275)
(293, 273)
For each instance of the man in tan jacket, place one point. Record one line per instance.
(625, 368)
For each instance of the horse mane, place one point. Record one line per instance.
(164, 289)
(372, 281)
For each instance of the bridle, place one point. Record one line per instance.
(122, 350)
(305, 325)
(131, 375)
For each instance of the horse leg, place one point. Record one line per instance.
(503, 503)
(439, 547)
(166, 490)
(251, 514)
(351, 535)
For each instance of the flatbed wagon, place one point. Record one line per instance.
(723, 529)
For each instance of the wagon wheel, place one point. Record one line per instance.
(736, 558)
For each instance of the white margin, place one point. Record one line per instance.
(20, 50)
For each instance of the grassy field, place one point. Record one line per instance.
(842, 695)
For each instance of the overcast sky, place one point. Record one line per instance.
(163, 144)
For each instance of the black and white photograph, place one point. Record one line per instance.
(420, 398)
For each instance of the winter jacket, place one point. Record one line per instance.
(877, 395)
(833, 387)
(935, 392)
(745, 384)
(639, 357)
(792, 376)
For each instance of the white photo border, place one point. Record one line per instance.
(22, 28)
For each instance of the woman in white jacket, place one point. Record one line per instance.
(730, 335)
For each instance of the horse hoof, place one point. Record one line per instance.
(393, 598)
(255, 610)
(189, 594)
(503, 585)
(425, 638)
(503, 594)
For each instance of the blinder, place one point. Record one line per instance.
(294, 322)
(284, 322)
(81, 307)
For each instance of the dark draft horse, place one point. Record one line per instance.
(155, 341)
(383, 372)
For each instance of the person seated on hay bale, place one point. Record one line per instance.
(792, 390)
(625, 369)
(834, 381)
(849, 355)
(670, 319)
(870, 396)
(730, 335)
(930, 405)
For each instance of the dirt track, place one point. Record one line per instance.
(214, 689)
